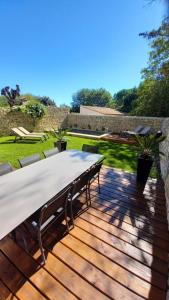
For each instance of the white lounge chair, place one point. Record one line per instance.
(19, 135)
(25, 131)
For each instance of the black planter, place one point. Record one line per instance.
(143, 170)
(61, 145)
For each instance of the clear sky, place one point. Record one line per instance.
(56, 47)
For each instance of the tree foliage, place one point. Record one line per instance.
(35, 110)
(91, 97)
(124, 99)
(46, 101)
(11, 95)
(153, 92)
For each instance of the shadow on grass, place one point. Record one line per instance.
(118, 155)
(12, 141)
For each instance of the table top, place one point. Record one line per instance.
(24, 191)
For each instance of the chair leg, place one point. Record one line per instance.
(41, 247)
(67, 223)
(71, 213)
(87, 194)
(13, 235)
(99, 181)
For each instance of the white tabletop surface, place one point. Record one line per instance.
(24, 191)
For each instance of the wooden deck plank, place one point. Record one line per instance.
(37, 276)
(132, 251)
(152, 188)
(123, 260)
(104, 264)
(131, 220)
(116, 202)
(16, 282)
(143, 232)
(125, 236)
(123, 191)
(117, 250)
(92, 274)
(137, 203)
(5, 293)
(72, 280)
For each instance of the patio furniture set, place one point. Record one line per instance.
(42, 191)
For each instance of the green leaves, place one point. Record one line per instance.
(91, 97)
(35, 110)
(148, 146)
(60, 134)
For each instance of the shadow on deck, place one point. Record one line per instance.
(117, 250)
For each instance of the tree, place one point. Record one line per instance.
(90, 97)
(153, 92)
(124, 99)
(3, 101)
(12, 95)
(35, 110)
(64, 106)
(46, 101)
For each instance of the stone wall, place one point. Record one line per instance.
(52, 119)
(164, 147)
(114, 124)
(12, 119)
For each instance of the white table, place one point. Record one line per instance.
(24, 191)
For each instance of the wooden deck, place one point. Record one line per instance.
(116, 138)
(117, 250)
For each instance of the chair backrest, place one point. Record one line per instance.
(95, 169)
(23, 130)
(29, 160)
(90, 148)
(5, 168)
(145, 131)
(138, 128)
(51, 152)
(51, 208)
(18, 132)
(80, 183)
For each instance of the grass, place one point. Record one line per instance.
(116, 155)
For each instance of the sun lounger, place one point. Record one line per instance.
(137, 130)
(145, 131)
(19, 135)
(25, 131)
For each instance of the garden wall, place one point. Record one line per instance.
(52, 119)
(164, 147)
(114, 124)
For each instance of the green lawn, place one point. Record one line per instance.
(116, 155)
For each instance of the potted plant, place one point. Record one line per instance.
(61, 142)
(148, 153)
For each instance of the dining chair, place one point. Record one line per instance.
(93, 175)
(5, 168)
(50, 152)
(40, 221)
(29, 160)
(90, 148)
(80, 185)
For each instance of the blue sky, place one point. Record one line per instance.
(56, 47)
